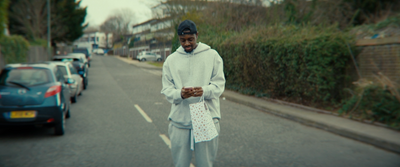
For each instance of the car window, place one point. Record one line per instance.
(63, 70)
(72, 69)
(59, 76)
(27, 77)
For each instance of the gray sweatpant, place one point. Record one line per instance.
(205, 152)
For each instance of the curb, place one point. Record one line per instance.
(359, 134)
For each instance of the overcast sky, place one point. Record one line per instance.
(99, 10)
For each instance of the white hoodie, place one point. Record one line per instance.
(201, 68)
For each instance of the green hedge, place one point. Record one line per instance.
(14, 49)
(306, 64)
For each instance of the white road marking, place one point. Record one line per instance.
(146, 117)
(168, 142)
(155, 72)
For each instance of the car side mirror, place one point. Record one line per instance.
(70, 81)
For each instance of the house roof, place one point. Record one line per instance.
(146, 22)
(162, 20)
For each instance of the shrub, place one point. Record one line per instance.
(38, 42)
(303, 63)
(14, 49)
(375, 101)
(375, 104)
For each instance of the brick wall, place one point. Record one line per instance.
(379, 55)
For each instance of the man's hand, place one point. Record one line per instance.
(195, 92)
(186, 93)
(198, 91)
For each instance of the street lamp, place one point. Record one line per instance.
(48, 29)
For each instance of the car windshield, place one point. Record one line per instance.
(80, 51)
(26, 77)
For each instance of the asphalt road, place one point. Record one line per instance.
(106, 129)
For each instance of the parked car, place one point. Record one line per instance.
(85, 51)
(148, 56)
(98, 51)
(80, 63)
(34, 94)
(70, 74)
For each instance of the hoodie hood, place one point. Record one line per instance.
(201, 47)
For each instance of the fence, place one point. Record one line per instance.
(35, 54)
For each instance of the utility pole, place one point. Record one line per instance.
(48, 29)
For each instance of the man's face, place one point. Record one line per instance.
(188, 42)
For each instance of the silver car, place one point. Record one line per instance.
(71, 75)
(148, 56)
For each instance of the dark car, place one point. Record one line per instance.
(84, 51)
(34, 94)
(80, 64)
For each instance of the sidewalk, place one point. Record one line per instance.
(375, 135)
(138, 64)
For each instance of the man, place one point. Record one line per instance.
(192, 71)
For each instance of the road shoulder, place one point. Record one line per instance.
(375, 135)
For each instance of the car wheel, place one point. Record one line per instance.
(59, 128)
(143, 59)
(159, 59)
(68, 115)
(80, 93)
(74, 99)
(84, 84)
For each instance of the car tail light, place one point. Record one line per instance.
(53, 91)
(50, 120)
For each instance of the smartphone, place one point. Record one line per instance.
(188, 87)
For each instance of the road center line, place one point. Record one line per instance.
(146, 117)
(168, 142)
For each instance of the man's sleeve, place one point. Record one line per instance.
(172, 94)
(217, 83)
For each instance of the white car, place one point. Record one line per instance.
(72, 76)
(98, 51)
(148, 56)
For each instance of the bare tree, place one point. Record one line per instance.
(119, 22)
(91, 29)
